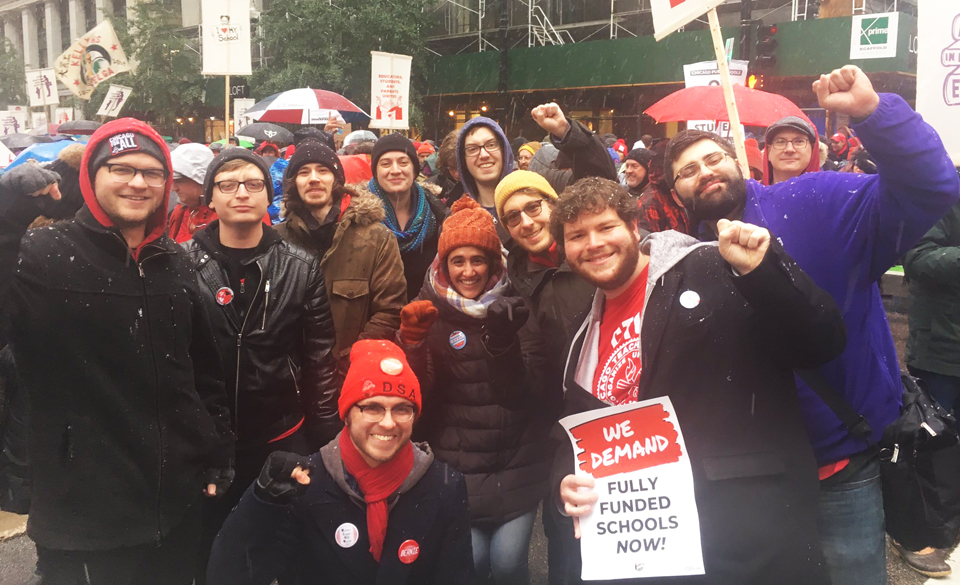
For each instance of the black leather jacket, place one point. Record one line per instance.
(278, 361)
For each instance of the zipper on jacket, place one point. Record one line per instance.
(243, 326)
(266, 305)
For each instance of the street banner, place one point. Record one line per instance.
(14, 120)
(42, 88)
(63, 115)
(94, 57)
(708, 73)
(645, 522)
(938, 70)
(113, 102)
(38, 120)
(226, 37)
(240, 107)
(6, 156)
(669, 15)
(874, 36)
(390, 90)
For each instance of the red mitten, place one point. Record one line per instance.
(415, 320)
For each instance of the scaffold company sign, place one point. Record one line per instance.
(874, 36)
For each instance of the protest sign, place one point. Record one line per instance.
(938, 70)
(240, 107)
(94, 57)
(874, 36)
(645, 522)
(708, 73)
(13, 120)
(42, 88)
(63, 115)
(226, 37)
(6, 156)
(113, 102)
(669, 15)
(38, 120)
(389, 90)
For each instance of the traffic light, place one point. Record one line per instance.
(766, 46)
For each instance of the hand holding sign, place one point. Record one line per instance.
(578, 497)
(847, 91)
(742, 245)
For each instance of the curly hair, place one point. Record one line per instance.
(684, 140)
(591, 195)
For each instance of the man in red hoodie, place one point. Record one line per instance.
(129, 427)
(792, 148)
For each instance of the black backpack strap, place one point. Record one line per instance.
(857, 425)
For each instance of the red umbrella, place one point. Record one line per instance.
(757, 108)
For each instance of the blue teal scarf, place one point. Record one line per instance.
(422, 225)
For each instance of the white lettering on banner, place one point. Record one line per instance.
(645, 522)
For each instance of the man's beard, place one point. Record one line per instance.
(734, 197)
(628, 264)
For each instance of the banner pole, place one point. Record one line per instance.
(732, 113)
(226, 109)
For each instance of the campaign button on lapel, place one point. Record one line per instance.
(689, 299)
(347, 535)
(224, 296)
(458, 340)
(409, 551)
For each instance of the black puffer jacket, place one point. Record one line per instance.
(483, 414)
(278, 362)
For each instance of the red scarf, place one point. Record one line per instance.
(550, 258)
(377, 484)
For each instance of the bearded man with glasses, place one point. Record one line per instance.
(272, 323)
(129, 426)
(845, 231)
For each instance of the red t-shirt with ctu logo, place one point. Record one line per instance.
(618, 365)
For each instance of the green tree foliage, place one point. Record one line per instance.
(326, 45)
(166, 83)
(13, 80)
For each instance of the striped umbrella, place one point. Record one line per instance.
(306, 106)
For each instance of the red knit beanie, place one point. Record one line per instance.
(468, 224)
(377, 368)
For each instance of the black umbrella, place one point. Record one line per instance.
(85, 127)
(20, 141)
(265, 131)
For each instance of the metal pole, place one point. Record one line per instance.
(746, 23)
(226, 109)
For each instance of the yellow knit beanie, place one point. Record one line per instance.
(520, 180)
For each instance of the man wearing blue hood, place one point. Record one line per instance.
(484, 157)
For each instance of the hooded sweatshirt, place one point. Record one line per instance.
(466, 179)
(812, 166)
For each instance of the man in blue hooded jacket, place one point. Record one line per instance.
(844, 230)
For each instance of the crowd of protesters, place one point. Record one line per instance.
(344, 361)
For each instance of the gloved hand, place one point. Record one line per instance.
(415, 321)
(284, 477)
(505, 317)
(220, 478)
(28, 179)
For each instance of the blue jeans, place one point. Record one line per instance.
(944, 389)
(501, 551)
(850, 522)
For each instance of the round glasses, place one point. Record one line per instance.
(375, 413)
(531, 210)
(781, 143)
(231, 187)
(491, 146)
(125, 173)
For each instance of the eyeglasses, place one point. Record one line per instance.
(798, 143)
(491, 146)
(231, 187)
(711, 161)
(375, 413)
(531, 210)
(125, 173)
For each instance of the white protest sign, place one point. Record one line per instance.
(13, 120)
(63, 115)
(226, 37)
(708, 73)
(6, 156)
(874, 36)
(645, 522)
(938, 70)
(669, 15)
(389, 90)
(240, 107)
(113, 102)
(42, 88)
(38, 120)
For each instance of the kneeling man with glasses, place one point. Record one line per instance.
(272, 324)
(370, 507)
